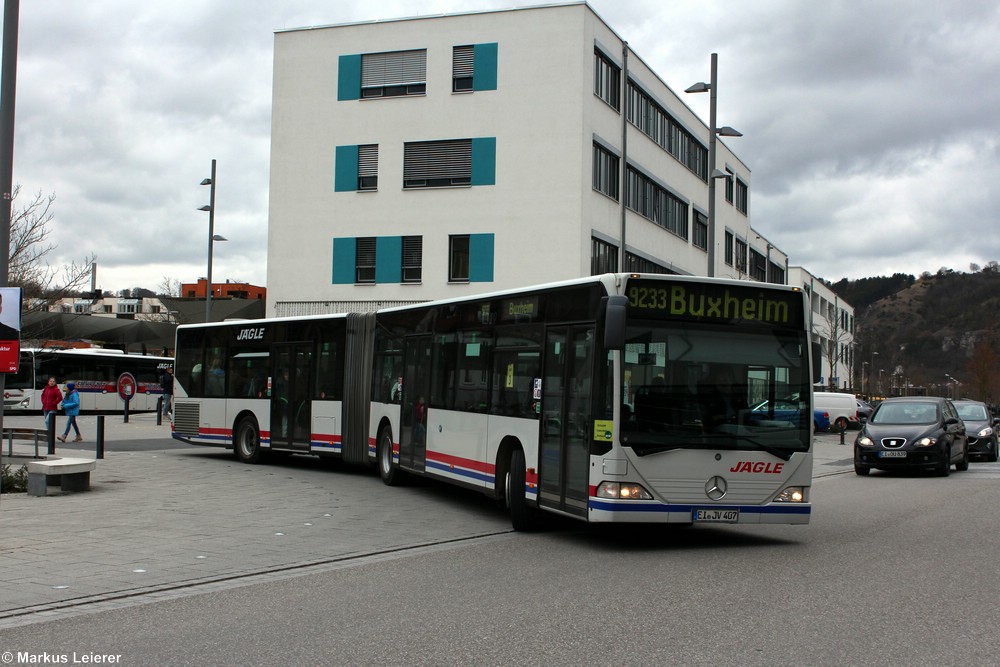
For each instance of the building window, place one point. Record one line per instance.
(364, 260)
(605, 172)
(700, 236)
(758, 266)
(651, 201)
(462, 68)
(729, 248)
(636, 264)
(458, 259)
(368, 167)
(742, 196)
(603, 257)
(741, 256)
(474, 67)
(412, 259)
(776, 274)
(449, 163)
(607, 80)
(729, 186)
(654, 121)
(394, 74)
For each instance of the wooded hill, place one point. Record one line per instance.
(924, 328)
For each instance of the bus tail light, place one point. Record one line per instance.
(791, 494)
(623, 491)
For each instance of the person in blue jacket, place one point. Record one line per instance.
(71, 406)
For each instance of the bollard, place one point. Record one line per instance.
(100, 436)
(842, 432)
(50, 437)
(126, 411)
(159, 411)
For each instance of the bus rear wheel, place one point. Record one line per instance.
(391, 475)
(247, 444)
(522, 515)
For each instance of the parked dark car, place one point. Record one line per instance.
(981, 427)
(913, 432)
(865, 410)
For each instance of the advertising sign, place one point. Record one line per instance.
(10, 328)
(126, 386)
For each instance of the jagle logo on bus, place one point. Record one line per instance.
(680, 302)
(257, 333)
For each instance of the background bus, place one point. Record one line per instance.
(96, 372)
(621, 397)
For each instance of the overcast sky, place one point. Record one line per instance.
(872, 128)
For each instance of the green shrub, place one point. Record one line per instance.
(13, 481)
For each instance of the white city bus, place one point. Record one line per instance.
(603, 398)
(96, 372)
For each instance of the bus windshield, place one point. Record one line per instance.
(715, 386)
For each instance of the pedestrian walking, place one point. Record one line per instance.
(167, 385)
(50, 400)
(71, 406)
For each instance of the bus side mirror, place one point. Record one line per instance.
(614, 322)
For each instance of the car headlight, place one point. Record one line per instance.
(865, 441)
(791, 494)
(623, 491)
(985, 433)
(926, 442)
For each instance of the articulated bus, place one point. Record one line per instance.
(616, 398)
(96, 372)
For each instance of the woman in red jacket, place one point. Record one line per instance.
(50, 399)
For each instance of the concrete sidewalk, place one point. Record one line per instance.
(163, 519)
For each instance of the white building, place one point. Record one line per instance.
(832, 327)
(435, 157)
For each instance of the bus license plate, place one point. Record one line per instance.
(892, 455)
(717, 516)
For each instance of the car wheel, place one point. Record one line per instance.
(963, 465)
(841, 424)
(991, 456)
(861, 470)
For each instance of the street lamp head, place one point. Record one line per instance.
(206, 207)
(718, 173)
(726, 131)
(700, 87)
(219, 237)
(206, 181)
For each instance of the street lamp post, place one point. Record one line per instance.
(712, 87)
(863, 364)
(212, 238)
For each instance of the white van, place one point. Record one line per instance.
(841, 408)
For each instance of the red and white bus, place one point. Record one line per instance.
(97, 373)
(616, 398)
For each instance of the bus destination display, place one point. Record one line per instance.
(705, 302)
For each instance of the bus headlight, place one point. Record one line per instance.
(623, 491)
(792, 494)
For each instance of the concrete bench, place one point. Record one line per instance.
(70, 474)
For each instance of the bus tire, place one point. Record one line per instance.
(522, 516)
(247, 444)
(391, 475)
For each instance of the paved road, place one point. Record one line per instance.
(165, 520)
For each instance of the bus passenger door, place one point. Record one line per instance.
(564, 452)
(416, 389)
(290, 399)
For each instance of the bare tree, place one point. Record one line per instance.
(29, 248)
(981, 367)
(169, 287)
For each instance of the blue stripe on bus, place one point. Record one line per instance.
(461, 472)
(605, 506)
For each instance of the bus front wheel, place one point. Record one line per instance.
(522, 515)
(247, 445)
(391, 476)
